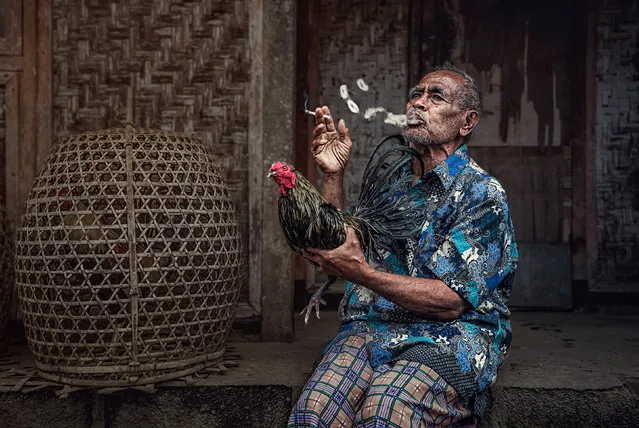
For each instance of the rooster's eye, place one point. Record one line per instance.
(284, 168)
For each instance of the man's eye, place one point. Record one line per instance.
(437, 97)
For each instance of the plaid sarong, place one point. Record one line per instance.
(346, 391)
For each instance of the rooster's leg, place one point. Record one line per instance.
(316, 299)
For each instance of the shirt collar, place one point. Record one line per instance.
(452, 166)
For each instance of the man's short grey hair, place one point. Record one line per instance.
(469, 95)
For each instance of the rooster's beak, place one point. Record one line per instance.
(271, 174)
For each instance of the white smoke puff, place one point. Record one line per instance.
(362, 85)
(391, 118)
(343, 92)
(352, 106)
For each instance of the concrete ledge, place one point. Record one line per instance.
(530, 407)
(200, 407)
(44, 409)
(564, 370)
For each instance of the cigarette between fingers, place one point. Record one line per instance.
(312, 113)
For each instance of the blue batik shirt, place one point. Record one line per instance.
(467, 241)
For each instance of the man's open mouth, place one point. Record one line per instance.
(415, 120)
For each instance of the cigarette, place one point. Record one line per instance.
(312, 113)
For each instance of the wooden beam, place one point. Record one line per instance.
(278, 103)
(44, 97)
(429, 38)
(579, 92)
(28, 101)
(302, 146)
(414, 42)
(313, 58)
(255, 155)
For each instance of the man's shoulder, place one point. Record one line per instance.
(477, 180)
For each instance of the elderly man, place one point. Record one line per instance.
(420, 345)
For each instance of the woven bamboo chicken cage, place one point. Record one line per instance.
(128, 259)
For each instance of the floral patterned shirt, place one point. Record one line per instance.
(467, 241)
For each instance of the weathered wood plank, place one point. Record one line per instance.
(554, 202)
(578, 145)
(532, 180)
(539, 206)
(414, 42)
(12, 143)
(11, 63)
(590, 146)
(255, 155)
(11, 43)
(28, 104)
(45, 130)
(301, 146)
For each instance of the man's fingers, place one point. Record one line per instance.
(350, 234)
(342, 130)
(319, 129)
(319, 116)
(328, 119)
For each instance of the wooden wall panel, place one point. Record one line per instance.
(3, 147)
(534, 186)
(26, 110)
(520, 56)
(190, 64)
(11, 28)
(10, 136)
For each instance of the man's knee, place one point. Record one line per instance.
(382, 411)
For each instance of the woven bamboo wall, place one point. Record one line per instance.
(368, 40)
(190, 60)
(617, 143)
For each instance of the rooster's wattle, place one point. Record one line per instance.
(383, 218)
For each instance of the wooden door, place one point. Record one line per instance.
(25, 131)
(25, 99)
(522, 59)
(11, 65)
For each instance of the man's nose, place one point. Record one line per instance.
(420, 103)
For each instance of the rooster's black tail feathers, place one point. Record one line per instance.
(388, 214)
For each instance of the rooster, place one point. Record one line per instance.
(384, 216)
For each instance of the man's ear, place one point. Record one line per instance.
(471, 118)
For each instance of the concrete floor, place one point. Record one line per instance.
(564, 370)
(550, 350)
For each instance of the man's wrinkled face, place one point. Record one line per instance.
(433, 115)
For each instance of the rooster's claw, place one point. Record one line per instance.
(314, 303)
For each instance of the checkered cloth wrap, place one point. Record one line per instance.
(345, 391)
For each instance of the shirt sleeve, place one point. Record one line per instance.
(478, 252)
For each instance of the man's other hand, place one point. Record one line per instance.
(346, 261)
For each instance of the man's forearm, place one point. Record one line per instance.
(333, 189)
(430, 298)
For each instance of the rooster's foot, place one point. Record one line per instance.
(313, 304)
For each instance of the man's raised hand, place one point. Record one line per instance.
(331, 148)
